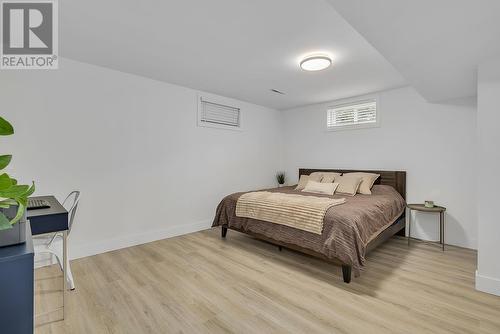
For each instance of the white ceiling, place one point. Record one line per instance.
(236, 48)
(435, 44)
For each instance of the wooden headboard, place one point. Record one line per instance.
(396, 179)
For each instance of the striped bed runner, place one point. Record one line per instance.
(301, 212)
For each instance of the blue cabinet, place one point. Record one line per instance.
(17, 287)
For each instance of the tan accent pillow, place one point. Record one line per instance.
(367, 181)
(329, 177)
(348, 185)
(316, 176)
(302, 182)
(320, 187)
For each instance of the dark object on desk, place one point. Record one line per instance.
(436, 209)
(15, 235)
(36, 203)
(52, 219)
(17, 287)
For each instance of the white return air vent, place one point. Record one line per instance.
(218, 114)
(359, 114)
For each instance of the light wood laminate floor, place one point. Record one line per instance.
(200, 283)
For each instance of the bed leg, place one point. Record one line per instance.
(223, 231)
(280, 248)
(346, 273)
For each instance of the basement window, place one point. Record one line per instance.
(353, 115)
(215, 113)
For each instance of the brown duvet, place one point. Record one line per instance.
(347, 227)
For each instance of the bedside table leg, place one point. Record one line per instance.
(409, 226)
(441, 223)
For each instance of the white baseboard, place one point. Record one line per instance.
(487, 284)
(92, 248)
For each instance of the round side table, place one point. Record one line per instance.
(422, 208)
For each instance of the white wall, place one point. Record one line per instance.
(434, 143)
(147, 172)
(488, 120)
(132, 146)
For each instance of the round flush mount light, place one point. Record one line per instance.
(315, 63)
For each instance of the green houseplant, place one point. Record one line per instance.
(13, 196)
(280, 177)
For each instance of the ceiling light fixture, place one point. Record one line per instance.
(315, 63)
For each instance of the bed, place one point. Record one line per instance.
(350, 231)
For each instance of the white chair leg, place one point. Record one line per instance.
(52, 239)
(50, 251)
(71, 283)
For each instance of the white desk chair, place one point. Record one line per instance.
(70, 204)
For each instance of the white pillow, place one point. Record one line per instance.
(367, 181)
(320, 188)
(329, 177)
(348, 185)
(302, 182)
(316, 176)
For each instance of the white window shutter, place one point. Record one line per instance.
(219, 114)
(352, 115)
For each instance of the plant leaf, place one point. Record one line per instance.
(6, 203)
(5, 160)
(19, 214)
(17, 194)
(31, 190)
(4, 222)
(23, 198)
(14, 191)
(6, 128)
(5, 182)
